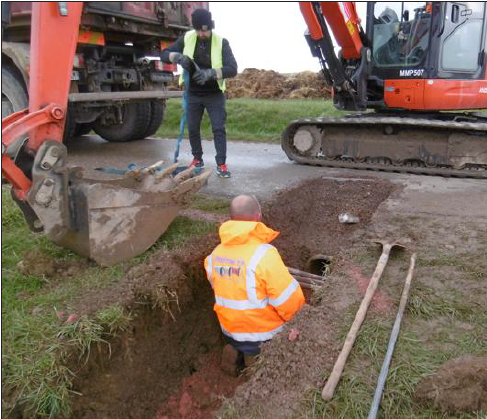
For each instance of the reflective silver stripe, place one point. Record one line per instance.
(209, 268)
(276, 302)
(250, 273)
(253, 337)
(241, 304)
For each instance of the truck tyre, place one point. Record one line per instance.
(69, 127)
(14, 99)
(156, 116)
(133, 127)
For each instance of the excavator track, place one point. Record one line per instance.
(449, 145)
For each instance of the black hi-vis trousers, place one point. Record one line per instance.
(214, 103)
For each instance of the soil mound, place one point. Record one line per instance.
(39, 264)
(459, 386)
(269, 84)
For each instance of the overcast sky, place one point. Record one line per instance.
(265, 35)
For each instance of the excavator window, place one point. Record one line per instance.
(462, 37)
(401, 33)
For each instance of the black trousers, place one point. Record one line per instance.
(214, 103)
(247, 348)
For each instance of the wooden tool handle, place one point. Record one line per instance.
(335, 375)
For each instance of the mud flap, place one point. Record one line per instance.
(107, 221)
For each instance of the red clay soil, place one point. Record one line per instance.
(200, 394)
(165, 365)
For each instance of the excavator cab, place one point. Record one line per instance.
(107, 221)
(415, 41)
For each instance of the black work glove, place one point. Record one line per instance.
(203, 75)
(183, 60)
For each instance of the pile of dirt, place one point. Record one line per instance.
(269, 84)
(307, 216)
(39, 264)
(166, 365)
(459, 386)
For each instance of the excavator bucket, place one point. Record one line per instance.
(108, 221)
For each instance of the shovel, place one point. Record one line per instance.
(335, 375)
(374, 409)
(182, 122)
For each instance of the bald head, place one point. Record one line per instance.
(245, 208)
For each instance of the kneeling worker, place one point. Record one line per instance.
(254, 292)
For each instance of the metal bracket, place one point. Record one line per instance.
(50, 158)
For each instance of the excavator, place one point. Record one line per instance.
(411, 75)
(108, 221)
(415, 77)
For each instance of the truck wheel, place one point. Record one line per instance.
(14, 99)
(69, 127)
(156, 115)
(82, 129)
(134, 125)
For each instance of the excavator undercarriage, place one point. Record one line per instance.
(453, 146)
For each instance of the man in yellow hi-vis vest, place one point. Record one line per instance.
(254, 292)
(216, 62)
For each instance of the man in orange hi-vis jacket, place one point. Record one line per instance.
(254, 292)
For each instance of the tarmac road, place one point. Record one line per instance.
(263, 169)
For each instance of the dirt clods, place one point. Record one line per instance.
(459, 386)
(37, 263)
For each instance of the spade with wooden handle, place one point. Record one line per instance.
(336, 373)
(374, 408)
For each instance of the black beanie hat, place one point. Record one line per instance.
(201, 20)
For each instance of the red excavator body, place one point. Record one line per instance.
(412, 61)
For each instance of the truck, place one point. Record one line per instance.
(118, 85)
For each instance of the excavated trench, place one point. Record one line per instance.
(166, 364)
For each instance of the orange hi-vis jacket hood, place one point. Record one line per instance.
(254, 292)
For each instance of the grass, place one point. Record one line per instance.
(36, 345)
(412, 360)
(439, 324)
(251, 119)
(204, 203)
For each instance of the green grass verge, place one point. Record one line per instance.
(35, 343)
(415, 356)
(205, 203)
(439, 324)
(251, 119)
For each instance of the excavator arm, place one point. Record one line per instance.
(347, 74)
(108, 221)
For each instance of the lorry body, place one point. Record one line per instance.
(115, 43)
